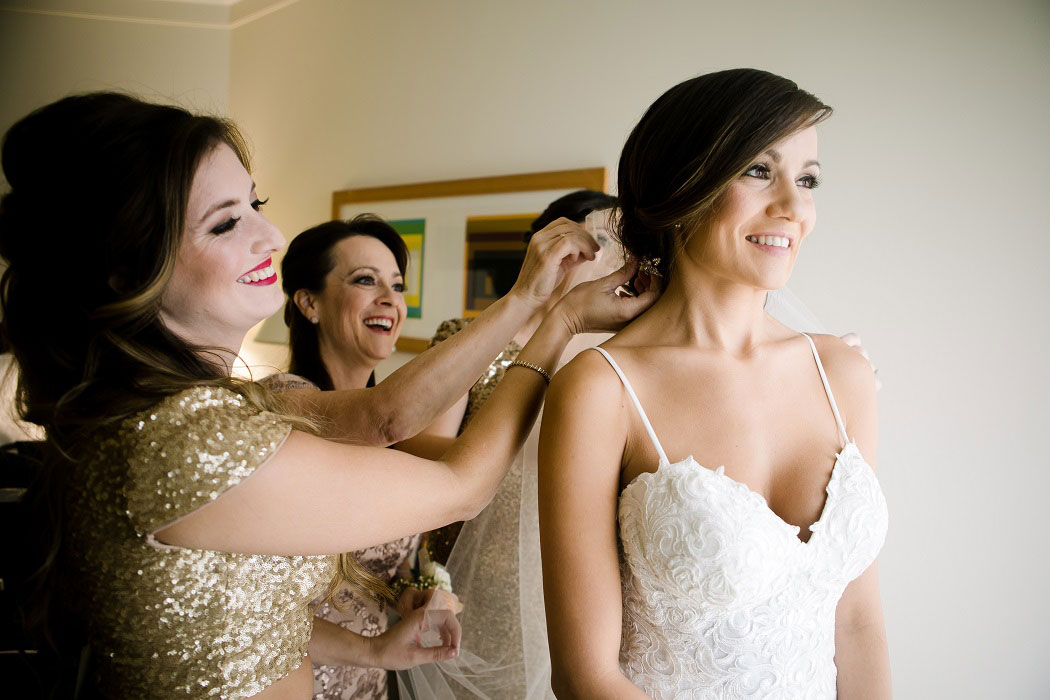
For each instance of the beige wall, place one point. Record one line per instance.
(44, 57)
(931, 243)
(934, 219)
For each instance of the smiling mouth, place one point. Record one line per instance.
(772, 241)
(380, 324)
(260, 275)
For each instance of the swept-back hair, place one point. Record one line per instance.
(691, 144)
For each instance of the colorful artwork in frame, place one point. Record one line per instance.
(412, 233)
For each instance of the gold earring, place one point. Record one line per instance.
(649, 266)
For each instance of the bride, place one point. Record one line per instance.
(709, 513)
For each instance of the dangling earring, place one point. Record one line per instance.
(314, 320)
(649, 266)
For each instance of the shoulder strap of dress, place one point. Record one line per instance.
(637, 405)
(827, 389)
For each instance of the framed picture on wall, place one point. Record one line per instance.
(465, 237)
(412, 232)
(495, 251)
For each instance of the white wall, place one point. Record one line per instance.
(931, 243)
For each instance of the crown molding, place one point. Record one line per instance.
(214, 14)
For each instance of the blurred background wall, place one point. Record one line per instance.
(931, 243)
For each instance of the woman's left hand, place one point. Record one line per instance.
(601, 306)
(400, 647)
(853, 340)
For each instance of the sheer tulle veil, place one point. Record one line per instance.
(504, 654)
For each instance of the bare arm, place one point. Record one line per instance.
(316, 496)
(435, 379)
(581, 448)
(438, 436)
(380, 416)
(861, 650)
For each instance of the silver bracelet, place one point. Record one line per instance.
(529, 365)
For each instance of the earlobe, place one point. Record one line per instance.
(306, 304)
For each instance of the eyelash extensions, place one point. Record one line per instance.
(257, 205)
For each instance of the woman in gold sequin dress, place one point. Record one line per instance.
(200, 512)
(344, 281)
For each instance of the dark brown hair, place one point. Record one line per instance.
(306, 265)
(91, 230)
(691, 144)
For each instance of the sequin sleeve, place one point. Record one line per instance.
(447, 329)
(190, 449)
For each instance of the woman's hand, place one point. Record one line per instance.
(558, 247)
(602, 305)
(853, 340)
(400, 646)
(412, 598)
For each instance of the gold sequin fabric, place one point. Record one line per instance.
(439, 542)
(171, 622)
(355, 612)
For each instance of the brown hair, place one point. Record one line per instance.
(691, 144)
(91, 228)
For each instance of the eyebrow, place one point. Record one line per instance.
(222, 205)
(397, 273)
(774, 154)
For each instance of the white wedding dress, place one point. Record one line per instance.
(721, 599)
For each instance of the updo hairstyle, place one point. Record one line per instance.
(691, 144)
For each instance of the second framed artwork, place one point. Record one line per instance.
(465, 237)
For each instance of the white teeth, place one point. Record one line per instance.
(774, 241)
(256, 275)
(384, 323)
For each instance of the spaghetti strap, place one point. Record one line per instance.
(827, 390)
(637, 405)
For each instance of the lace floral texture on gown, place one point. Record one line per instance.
(721, 599)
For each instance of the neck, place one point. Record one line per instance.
(346, 372)
(704, 310)
(215, 347)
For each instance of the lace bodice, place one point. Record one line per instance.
(721, 599)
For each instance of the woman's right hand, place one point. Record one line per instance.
(555, 249)
(599, 305)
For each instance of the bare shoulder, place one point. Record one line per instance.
(853, 384)
(588, 377)
(586, 402)
(848, 371)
